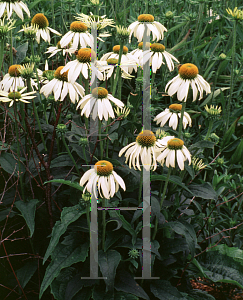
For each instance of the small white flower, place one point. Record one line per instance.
(99, 103)
(128, 58)
(43, 29)
(102, 178)
(173, 113)
(137, 28)
(156, 55)
(16, 6)
(81, 64)
(16, 96)
(60, 86)
(146, 148)
(13, 80)
(174, 151)
(188, 77)
(78, 36)
(108, 67)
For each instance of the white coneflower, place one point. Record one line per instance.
(55, 49)
(173, 113)
(78, 36)
(138, 53)
(174, 151)
(156, 55)
(109, 66)
(16, 96)
(60, 86)
(80, 65)
(145, 149)
(128, 58)
(101, 23)
(188, 77)
(99, 104)
(102, 178)
(13, 80)
(137, 28)
(14, 6)
(43, 29)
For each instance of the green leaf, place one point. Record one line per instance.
(63, 256)
(59, 285)
(163, 290)
(126, 283)
(8, 163)
(201, 145)
(113, 136)
(111, 238)
(227, 136)
(213, 96)
(76, 284)
(237, 155)
(27, 210)
(21, 52)
(174, 179)
(68, 216)
(84, 294)
(224, 264)
(26, 272)
(126, 225)
(199, 295)
(108, 262)
(204, 191)
(62, 161)
(67, 182)
(124, 296)
(187, 230)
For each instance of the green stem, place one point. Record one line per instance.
(107, 142)
(36, 73)
(181, 119)
(39, 125)
(18, 150)
(140, 187)
(101, 142)
(152, 82)
(161, 202)
(1, 53)
(85, 157)
(210, 126)
(103, 223)
(87, 86)
(232, 74)
(70, 155)
(87, 214)
(11, 48)
(118, 70)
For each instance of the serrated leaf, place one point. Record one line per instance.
(69, 215)
(204, 191)
(76, 284)
(187, 230)
(126, 283)
(108, 262)
(26, 272)
(163, 290)
(63, 257)
(27, 210)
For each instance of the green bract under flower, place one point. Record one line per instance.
(14, 95)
